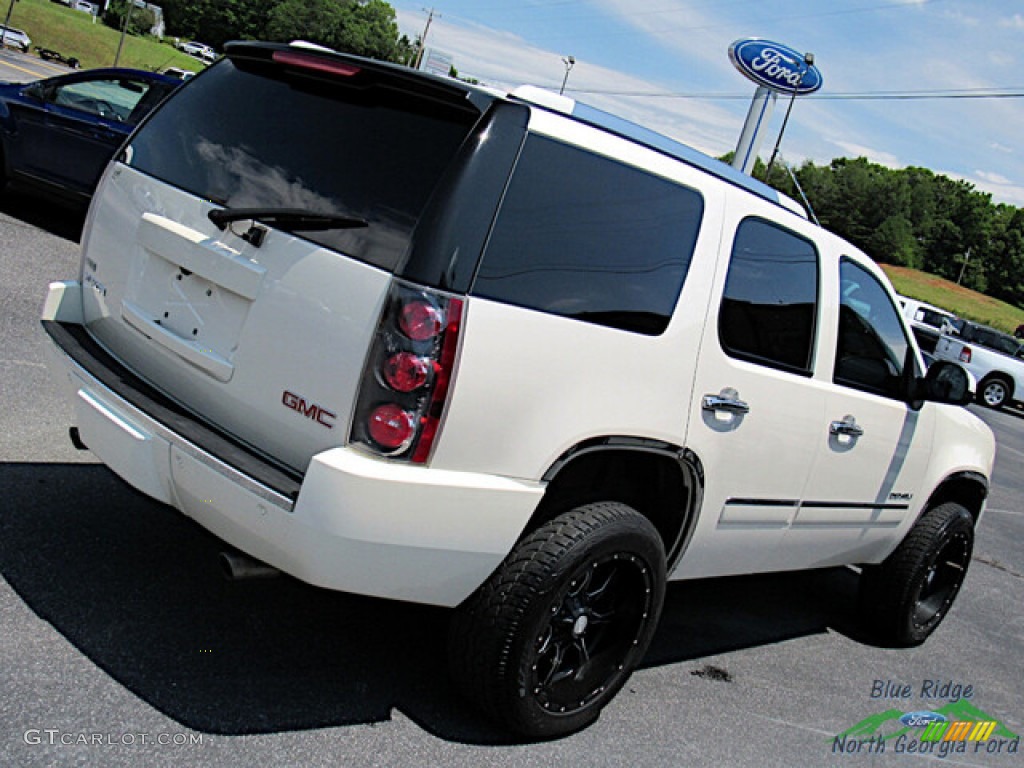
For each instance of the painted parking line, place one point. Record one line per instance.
(44, 69)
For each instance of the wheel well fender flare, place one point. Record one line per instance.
(662, 481)
(970, 489)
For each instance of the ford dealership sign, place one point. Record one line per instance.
(775, 66)
(921, 719)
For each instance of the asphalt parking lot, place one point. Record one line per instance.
(122, 645)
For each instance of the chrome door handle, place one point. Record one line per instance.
(727, 400)
(848, 426)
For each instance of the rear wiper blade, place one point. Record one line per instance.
(291, 219)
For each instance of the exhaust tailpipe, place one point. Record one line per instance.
(238, 566)
(76, 439)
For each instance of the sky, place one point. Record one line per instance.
(665, 64)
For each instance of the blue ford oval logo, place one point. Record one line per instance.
(921, 719)
(775, 66)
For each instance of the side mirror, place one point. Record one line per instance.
(946, 382)
(35, 91)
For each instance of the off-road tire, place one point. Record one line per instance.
(903, 599)
(591, 581)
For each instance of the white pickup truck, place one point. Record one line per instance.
(928, 323)
(994, 358)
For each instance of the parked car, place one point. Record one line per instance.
(60, 133)
(177, 73)
(994, 358)
(927, 322)
(200, 51)
(400, 336)
(14, 38)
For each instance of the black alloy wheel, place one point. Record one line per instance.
(552, 636)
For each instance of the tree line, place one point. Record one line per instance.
(363, 27)
(916, 218)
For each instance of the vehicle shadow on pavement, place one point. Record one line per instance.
(137, 589)
(61, 219)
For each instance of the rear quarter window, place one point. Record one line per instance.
(586, 237)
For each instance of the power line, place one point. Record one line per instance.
(984, 93)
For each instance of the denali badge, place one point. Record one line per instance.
(310, 410)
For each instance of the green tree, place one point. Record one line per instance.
(217, 21)
(895, 239)
(313, 20)
(368, 28)
(140, 22)
(914, 217)
(365, 28)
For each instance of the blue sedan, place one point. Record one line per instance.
(61, 132)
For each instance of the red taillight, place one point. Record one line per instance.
(442, 383)
(965, 355)
(420, 320)
(391, 426)
(408, 373)
(315, 63)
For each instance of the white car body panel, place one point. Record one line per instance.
(500, 353)
(252, 328)
(425, 539)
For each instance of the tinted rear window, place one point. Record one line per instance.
(249, 136)
(586, 237)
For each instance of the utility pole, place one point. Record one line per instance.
(3, 32)
(569, 64)
(967, 258)
(124, 30)
(423, 40)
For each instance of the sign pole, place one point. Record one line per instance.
(775, 69)
(758, 117)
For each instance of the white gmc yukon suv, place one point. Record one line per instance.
(399, 336)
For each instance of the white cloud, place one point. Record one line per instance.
(1002, 189)
(679, 46)
(993, 178)
(504, 60)
(874, 155)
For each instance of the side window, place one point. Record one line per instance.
(586, 237)
(872, 347)
(770, 305)
(112, 99)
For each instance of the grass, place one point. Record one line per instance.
(74, 33)
(961, 301)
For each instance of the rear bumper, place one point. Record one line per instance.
(351, 522)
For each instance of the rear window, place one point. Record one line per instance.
(996, 341)
(247, 135)
(586, 237)
(930, 317)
